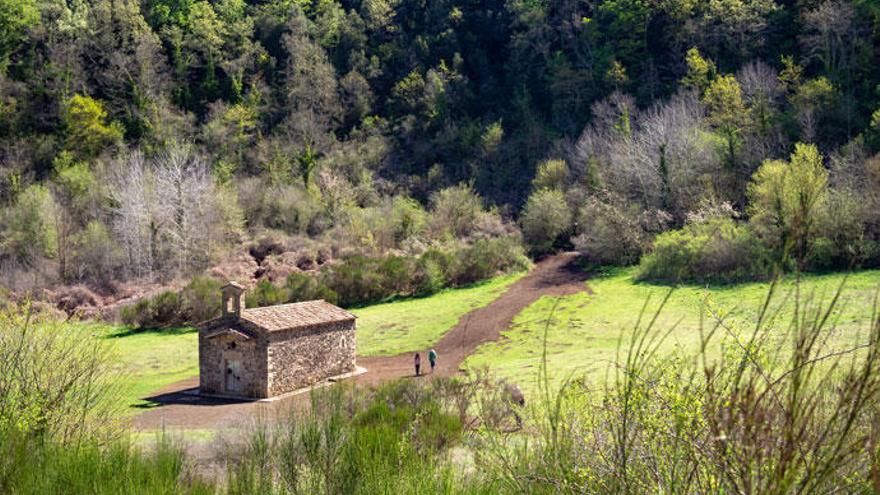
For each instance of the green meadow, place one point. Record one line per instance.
(586, 328)
(414, 324)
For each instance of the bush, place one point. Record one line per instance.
(427, 277)
(355, 440)
(302, 287)
(162, 310)
(95, 256)
(357, 280)
(718, 250)
(486, 258)
(609, 234)
(58, 382)
(201, 296)
(454, 211)
(265, 294)
(545, 217)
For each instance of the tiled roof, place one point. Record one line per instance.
(295, 315)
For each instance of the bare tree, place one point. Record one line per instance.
(135, 213)
(660, 157)
(166, 213)
(186, 203)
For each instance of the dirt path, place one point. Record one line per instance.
(552, 276)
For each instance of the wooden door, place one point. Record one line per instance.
(233, 376)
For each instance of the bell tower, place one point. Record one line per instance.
(233, 302)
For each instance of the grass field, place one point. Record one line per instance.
(585, 330)
(150, 359)
(414, 324)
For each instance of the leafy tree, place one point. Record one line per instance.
(551, 174)
(87, 125)
(785, 198)
(15, 17)
(28, 230)
(727, 114)
(700, 71)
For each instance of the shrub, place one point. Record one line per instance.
(454, 211)
(486, 258)
(302, 287)
(427, 276)
(162, 310)
(551, 174)
(609, 234)
(545, 217)
(95, 255)
(356, 280)
(201, 298)
(58, 381)
(265, 294)
(355, 440)
(719, 250)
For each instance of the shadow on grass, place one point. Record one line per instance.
(132, 331)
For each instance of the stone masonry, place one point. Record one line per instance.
(265, 352)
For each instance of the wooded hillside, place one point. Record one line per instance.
(138, 139)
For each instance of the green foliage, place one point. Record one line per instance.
(354, 441)
(92, 468)
(57, 385)
(551, 174)
(728, 114)
(265, 294)
(545, 217)
(455, 210)
(302, 287)
(785, 198)
(15, 17)
(28, 229)
(200, 297)
(162, 310)
(716, 250)
(700, 71)
(87, 126)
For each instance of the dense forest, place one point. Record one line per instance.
(147, 140)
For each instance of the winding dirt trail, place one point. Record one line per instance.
(552, 276)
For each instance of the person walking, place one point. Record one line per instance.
(432, 358)
(418, 362)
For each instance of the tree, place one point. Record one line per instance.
(15, 17)
(312, 96)
(728, 114)
(551, 174)
(73, 184)
(27, 227)
(166, 211)
(784, 198)
(810, 100)
(545, 217)
(700, 71)
(88, 128)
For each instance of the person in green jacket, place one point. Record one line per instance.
(432, 357)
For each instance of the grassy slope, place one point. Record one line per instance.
(414, 324)
(584, 333)
(152, 359)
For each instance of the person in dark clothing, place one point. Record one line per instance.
(418, 362)
(432, 358)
